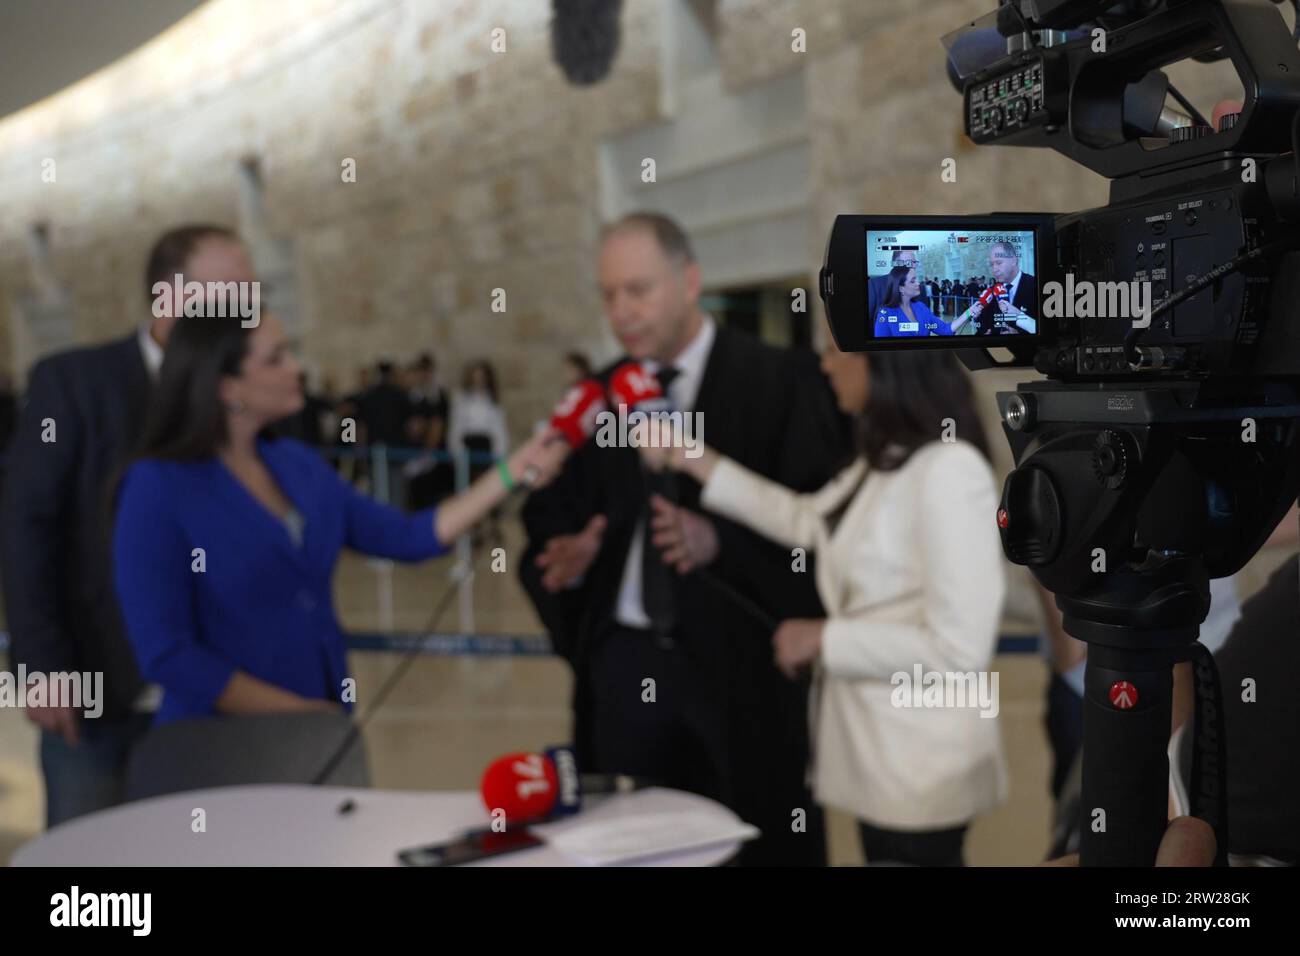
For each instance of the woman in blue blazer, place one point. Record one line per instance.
(903, 315)
(225, 539)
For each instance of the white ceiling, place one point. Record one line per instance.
(46, 45)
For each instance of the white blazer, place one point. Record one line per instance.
(911, 575)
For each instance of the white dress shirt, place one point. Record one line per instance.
(690, 364)
(150, 351)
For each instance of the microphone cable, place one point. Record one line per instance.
(460, 573)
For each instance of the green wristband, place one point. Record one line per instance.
(504, 471)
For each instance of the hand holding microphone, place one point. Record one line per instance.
(536, 462)
(664, 448)
(533, 464)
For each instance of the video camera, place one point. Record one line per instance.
(1161, 448)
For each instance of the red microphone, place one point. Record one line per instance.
(993, 291)
(633, 386)
(530, 787)
(575, 416)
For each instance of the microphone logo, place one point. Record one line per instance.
(570, 789)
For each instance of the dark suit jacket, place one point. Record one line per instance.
(58, 584)
(1026, 299)
(385, 408)
(875, 295)
(771, 410)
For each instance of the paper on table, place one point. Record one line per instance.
(631, 837)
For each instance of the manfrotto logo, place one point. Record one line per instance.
(75, 908)
(222, 300)
(946, 689)
(655, 429)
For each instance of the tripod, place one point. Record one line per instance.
(1124, 503)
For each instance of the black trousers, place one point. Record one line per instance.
(653, 715)
(912, 848)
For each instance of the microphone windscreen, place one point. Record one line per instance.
(575, 416)
(524, 786)
(632, 386)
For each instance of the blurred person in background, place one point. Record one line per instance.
(349, 406)
(478, 426)
(8, 422)
(309, 424)
(430, 477)
(226, 539)
(385, 407)
(427, 401)
(84, 411)
(910, 572)
(8, 410)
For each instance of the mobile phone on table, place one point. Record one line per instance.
(469, 848)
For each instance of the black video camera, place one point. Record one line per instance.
(1162, 447)
(1181, 275)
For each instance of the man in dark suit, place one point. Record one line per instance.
(385, 407)
(673, 679)
(1017, 311)
(83, 413)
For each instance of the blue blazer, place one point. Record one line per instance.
(251, 600)
(892, 322)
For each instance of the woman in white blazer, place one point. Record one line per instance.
(909, 569)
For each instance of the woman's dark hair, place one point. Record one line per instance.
(894, 282)
(911, 393)
(186, 420)
(489, 377)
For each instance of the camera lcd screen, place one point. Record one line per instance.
(950, 282)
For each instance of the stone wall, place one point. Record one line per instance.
(475, 169)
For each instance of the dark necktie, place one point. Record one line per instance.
(656, 577)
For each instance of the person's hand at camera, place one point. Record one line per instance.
(1188, 841)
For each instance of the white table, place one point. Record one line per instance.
(294, 825)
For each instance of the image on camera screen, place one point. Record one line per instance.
(939, 282)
